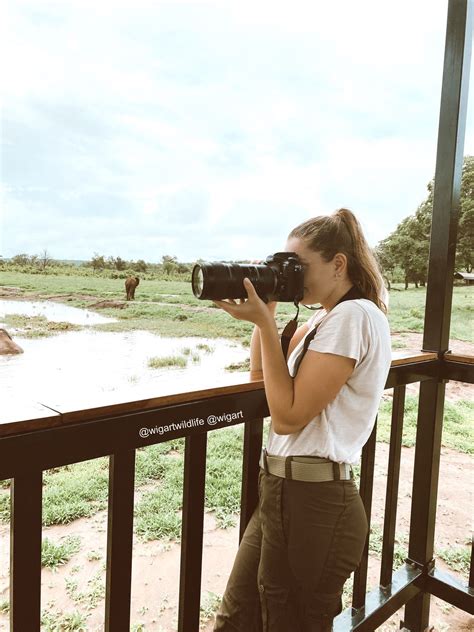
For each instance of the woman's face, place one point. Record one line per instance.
(319, 275)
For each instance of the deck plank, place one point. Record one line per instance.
(25, 416)
(457, 357)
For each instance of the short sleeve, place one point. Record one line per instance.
(345, 331)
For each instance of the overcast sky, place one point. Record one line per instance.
(210, 129)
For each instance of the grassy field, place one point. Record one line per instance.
(169, 307)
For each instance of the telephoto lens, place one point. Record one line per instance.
(280, 278)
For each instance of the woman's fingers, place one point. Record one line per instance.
(251, 291)
(251, 309)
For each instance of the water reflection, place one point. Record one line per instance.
(55, 312)
(87, 362)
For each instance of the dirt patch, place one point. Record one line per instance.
(414, 341)
(79, 584)
(454, 390)
(61, 298)
(11, 292)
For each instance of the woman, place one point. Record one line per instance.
(307, 535)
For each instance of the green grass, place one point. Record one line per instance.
(168, 320)
(94, 592)
(224, 474)
(210, 603)
(158, 513)
(63, 622)
(400, 552)
(54, 555)
(239, 366)
(75, 491)
(167, 361)
(457, 558)
(70, 492)
(457, 425)
(205, 348)
(406, 311)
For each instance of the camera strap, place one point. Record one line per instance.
(353, 294)
(289, 331)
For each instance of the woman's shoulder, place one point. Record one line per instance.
(362, 306)
(361, 312)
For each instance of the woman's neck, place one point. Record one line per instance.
(332, 300)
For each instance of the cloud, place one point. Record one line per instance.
(204, 129)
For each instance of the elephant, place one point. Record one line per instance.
(7, 346)
(130, 285)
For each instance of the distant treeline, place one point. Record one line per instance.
(403, 255)
(99, 265)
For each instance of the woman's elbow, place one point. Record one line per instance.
(281, 429)
(287, 427)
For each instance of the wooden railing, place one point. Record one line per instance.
(38, 436)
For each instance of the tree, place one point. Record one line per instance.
(141, 266)
(21, 260)
(118, 263)
(465, 244)
(44, 260)
(408, 246)
(170, 264)
(97, 262)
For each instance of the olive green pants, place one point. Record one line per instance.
(300, 546)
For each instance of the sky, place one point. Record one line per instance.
(209, 130)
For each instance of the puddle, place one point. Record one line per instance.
(55, 312)
(77, 362)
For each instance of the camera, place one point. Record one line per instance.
(279, 278)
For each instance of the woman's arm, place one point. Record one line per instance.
(292, 402)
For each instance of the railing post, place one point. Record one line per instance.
(449, 160)
(120, 541)
(366, 492)
(192, 532)
(393, 478)
(25, 552)
(252, 449)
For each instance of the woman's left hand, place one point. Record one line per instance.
(254, 310)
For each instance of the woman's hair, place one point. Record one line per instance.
(341, 232)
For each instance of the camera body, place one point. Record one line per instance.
(279, 278)
(289, 274)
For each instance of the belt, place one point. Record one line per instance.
(311, 469)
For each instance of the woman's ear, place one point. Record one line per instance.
(340, 264)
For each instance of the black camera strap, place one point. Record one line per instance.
(289, 331)
(353, 294)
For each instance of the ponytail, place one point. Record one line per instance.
(342, 232)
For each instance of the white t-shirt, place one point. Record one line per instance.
(355, 329)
